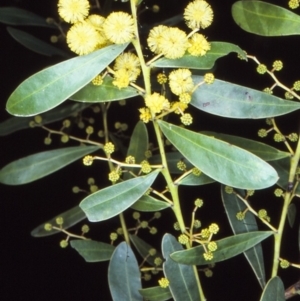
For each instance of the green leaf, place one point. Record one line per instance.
(148, 203)
(218, 49)
(156, 293)
(124, 277)
(114, 199)
(265, 19)
(103, 93)
(93, 251)
(35, 44)
(71, 217)
(233, 205)
(264, 151)
(230, 100)
(274, 290)
(18, 16)
(34, 167)
(292, 212)
(192, 180)
(143, 249)
(139, 144)
(14, 124)
(220, 160)
(227, 248)
(50, 87)
(183, 283)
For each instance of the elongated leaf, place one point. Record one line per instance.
(50, 87)
(148, 203)
(143, 248)
(292, 211)
(103, 93)
(71, 217)
(264, 151)
(192, 180)
(34, 167)
(265, 19)
(183, 283)
(139, 144)
(93, 251)
(233, 205)
(220, 160)
(18, 16)
(218, 49)
(14, 124)
(124, 275)
(156, 293)
(227, 248)
(274, 290)
(35, 44)
(114, 199)
(230, 100)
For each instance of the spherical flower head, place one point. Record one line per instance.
(240, 216)
(148, 154)
(181, 81)
(85, 229)
(163, 282)
(268, 90)
(63, 243)
(59, 220)
(277, 65)
(176, 226)
(278, 137)
(145, 166)
(109, 148)
(162, 78)
(156, 102)
(119, 27)
(179, 107)
(208, 273)
(212, 246)
(293, 137)
(83, 38)
(197, 224)
(209, 78)
(293, 4)
(213, 228)
(155, 38)
(113, 236)
(186, 119)
(174, 43)
(229, 189)
(262, 133)
(278, 192)
(288, 95)
(130, 160)
(196, 171)
(181, 165)
(157, 214)
(198, 203)
(261, 69)
(114, 176)
(73, 11)
(183, 239)
(250, 192)
(48, 227)
(96, 20)
(208, 256)
(262, 213)
(98, 80)
(153, 230)
(38, 119)
(144, 224)
(130, 62)
(296, 85)
(198, 14)
(185, 97)
(121, 79)
(205, 233)
(88, 160)
(198, 45)
(284, 264)
(145, 115)
(158, 261)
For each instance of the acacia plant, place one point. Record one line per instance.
(159, 75)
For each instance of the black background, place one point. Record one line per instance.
(38, 269)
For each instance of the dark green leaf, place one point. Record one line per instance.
(183, 284)
(156, 293)
(230, 100)
(143, 249)
(124, 277)
(148, 203)
(265, 19)
(264, 151)
(292, 211)
(34, 167)
(227, 248)
(71, 217)
(18, 16)
(14, 124)
(233, 205)
(220, 160)
(35, 44)
(218, 49)
(274, 290)
(103, 93)
(50, 87)
(114, 199)
(93, 251)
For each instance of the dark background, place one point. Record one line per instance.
(38, 269)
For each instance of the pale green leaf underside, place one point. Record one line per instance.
(230, 100)
(265, 19)
(34, 167)
(273, 291)
(148, 203)
(156, 293)
(114, 199)
(218, 49)
(70, 217)
(124, 277)
(227, 248)
(220, 160)
(50, 87)
(91, 250)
